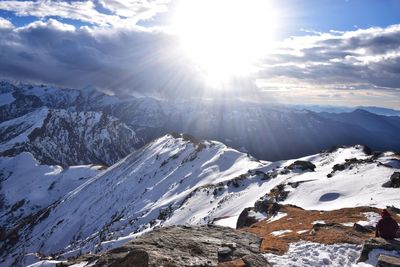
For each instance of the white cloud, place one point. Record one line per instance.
(5, 24)
(122, 12)
(142, 9)
(50, 24)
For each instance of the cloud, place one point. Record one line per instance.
(5, 24)
(135, 8)
(369, 56)
(114, 12)
(117, 56)
(125, 60)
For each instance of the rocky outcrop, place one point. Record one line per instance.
(302, 165)
(182, 246)
(388, 261)
(377, 243)
(246, 218)
(349, 164)
(265, 207)
(394, 181)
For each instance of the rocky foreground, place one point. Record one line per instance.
(251, 246)
(183, 246)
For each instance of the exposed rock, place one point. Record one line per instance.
(349, 164)
(377, 243)
(296, 184)
(302, 165)
(394, 181)
(393, 209)
(183, 246)
(388, 261)
(362, 229)
(278, 193)
(266, 206)
(245, 219)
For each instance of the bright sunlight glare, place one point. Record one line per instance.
(224, 38)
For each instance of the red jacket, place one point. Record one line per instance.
(386, 228)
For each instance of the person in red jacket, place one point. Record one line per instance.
(387, 227)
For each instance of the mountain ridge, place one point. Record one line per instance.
(163, 183)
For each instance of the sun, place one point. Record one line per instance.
(225, 38)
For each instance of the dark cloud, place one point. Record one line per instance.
(133, 60)
(113, 59)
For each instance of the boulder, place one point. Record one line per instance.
(302, 165)
(388, 261)
(394, 181)
(362, 229)
(182, 246)
(245, 219)
(377, 243)
(267, 206)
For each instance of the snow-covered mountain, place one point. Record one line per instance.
(134, 195)
(179, 180)
(265, 131)
(67, 138)
(27, 187)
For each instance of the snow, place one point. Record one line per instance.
(170, 181)
(46, 263)
(315, 254)
(16, 131)
(280, 232)
(352, 187)
(348, 224)
(318, 221)
(6, 99)
(258, 215)
(276, 217)
(227, 222)
(302, 231)
(139, 188)
(372, 219)
(37, 185)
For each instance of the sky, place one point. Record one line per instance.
(325, 52)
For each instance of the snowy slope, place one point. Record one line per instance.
(178, 180)
(14, 133)
(68, 138)
(6, 98)
(360, 184)
(27, 187)
(135, 194)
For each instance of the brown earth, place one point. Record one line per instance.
(330, 232)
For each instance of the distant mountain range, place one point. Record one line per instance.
(343, 109)
(267, 132)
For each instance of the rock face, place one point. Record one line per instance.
(68, 138)
(183, 246)
(378, 243)
(245, 218)
(394, 181)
